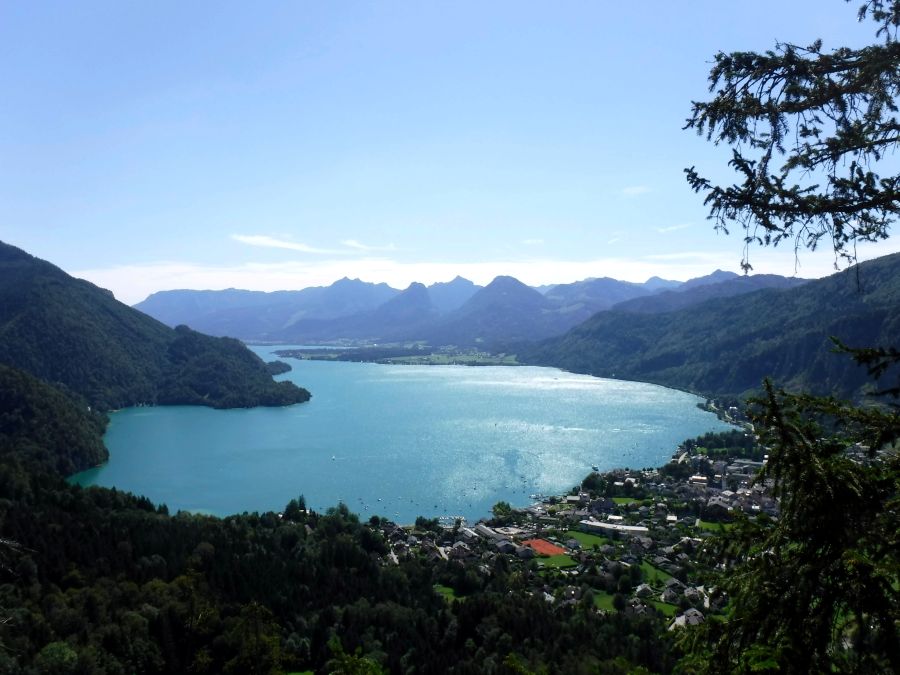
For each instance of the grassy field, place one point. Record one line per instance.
(446, 591)
(624, 501)
(715, 527)
(586, 540)
(557, 561)
(665, 607)
(653, 575)
(603, 600)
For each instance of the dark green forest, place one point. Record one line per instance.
(75, 335)
(99, 581)
(42, 423)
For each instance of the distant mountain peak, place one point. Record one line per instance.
(508, 291)
(507, 281)
(449, 295)
(659, 284)
(716, 277)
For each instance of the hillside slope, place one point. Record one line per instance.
(71, 333)
(687, 295)
(40, 423)
(726, 346)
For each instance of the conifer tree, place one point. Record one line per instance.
(814, 135)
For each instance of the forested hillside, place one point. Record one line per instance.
(726, 346)
(688, 294)
(69, 332)
(41, 422)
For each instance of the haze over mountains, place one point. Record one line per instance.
(453, 313)
(716, 335)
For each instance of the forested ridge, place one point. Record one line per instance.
(726, 346)
(71, 333)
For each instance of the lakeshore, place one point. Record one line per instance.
(621, 540)
(399, 441)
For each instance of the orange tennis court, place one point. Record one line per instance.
(544, 547)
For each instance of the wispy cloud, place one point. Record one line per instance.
(673, 228)
(533, 242)
(359, 246)
(264, 241)
(635, 190)
(614, 240)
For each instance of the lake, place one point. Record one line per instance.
(398, 441)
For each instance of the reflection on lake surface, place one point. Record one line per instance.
(398, 441)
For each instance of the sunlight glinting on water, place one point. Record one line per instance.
(399, 441)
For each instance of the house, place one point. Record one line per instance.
(605, 528)
(525, 552)
(505, 546)
(484, 531)
(691, 617)
(674, 584)
(669, 596)
(643, 591)
(693, 595)
(603, 505)
(717, 507)
(460, 550)
(468, 533)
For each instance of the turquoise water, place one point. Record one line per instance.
(398, 441)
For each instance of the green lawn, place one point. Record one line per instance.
(558, 561)
(665, 607)
(586, 540)
(653, 575)
(603, 600)
(715, 527)
(446, 591)
(623, 501)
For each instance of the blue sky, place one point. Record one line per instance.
(147, 146)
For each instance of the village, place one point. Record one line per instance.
(627, 540)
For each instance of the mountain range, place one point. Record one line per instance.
(724, 338)
(717, 335)
(457, 313)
